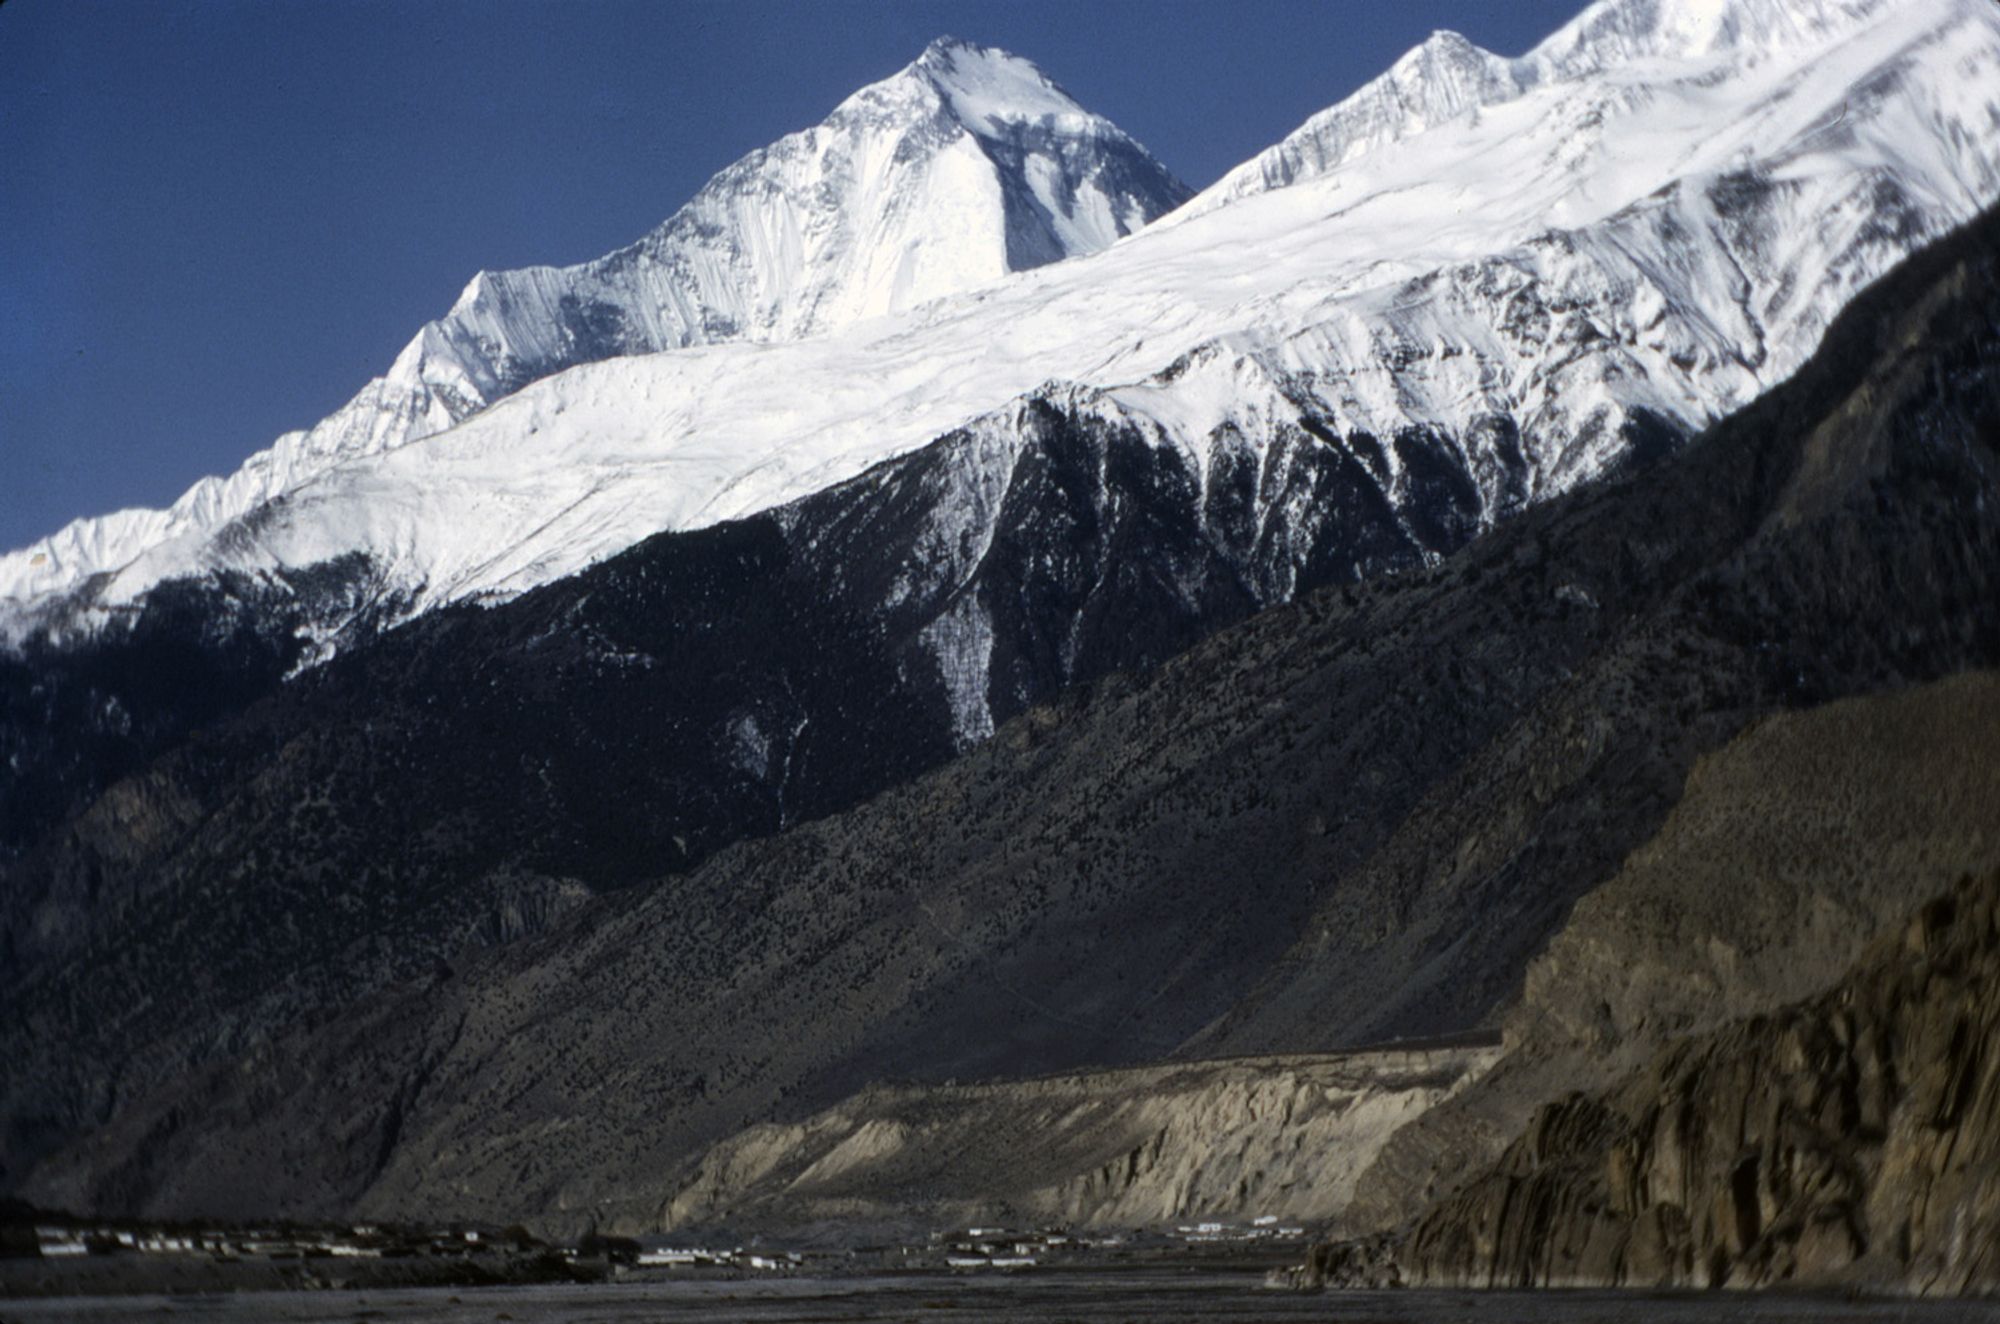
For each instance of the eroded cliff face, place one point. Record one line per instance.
(1238, 1139)
(1853, 1138)
(1790, 848)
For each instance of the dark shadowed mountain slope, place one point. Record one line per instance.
(1116, 871)
(477, 772)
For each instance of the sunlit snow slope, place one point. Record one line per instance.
(1651, 216)
(1447, 77)
(965, 166)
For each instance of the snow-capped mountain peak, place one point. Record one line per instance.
(1449, 68)
(988, 89)
(967, 164)
(1448, 77)
(964, 166)
(1443, 77)
(1481, 317)
(1617, 31)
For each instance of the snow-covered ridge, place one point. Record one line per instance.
(1448, 76)
(1668, 236)
(966, 165)
(1615, 32)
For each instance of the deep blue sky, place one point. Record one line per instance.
(219, 219)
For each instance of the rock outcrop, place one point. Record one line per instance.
(1850, 1139)
(1790, 847)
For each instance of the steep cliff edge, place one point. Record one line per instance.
(1854, 1139)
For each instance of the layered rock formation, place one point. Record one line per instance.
(1790, 848)
(1853, 1138)
(1240, 1139)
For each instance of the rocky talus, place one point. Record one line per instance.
(1850, 1139)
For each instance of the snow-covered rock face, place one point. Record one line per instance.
(1439, 80)
(965, 166)
(1620, 31)
(1447, 77)
(1651, 218)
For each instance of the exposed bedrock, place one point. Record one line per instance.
(1790, 848)
(1853, 1138)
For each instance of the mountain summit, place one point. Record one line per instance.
(964, 166)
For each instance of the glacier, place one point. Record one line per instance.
(1652, 215)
